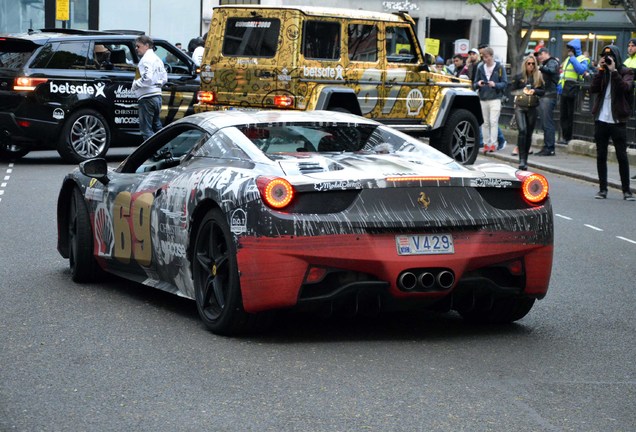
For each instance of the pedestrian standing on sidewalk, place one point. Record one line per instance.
(549, 68)
(528, 89)
(490, 82)
(149, 78)
(573, 69)
(630, 62)
(611, 110)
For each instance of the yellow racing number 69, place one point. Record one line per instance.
(131, 224)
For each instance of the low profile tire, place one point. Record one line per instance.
(503, 310)
(216, 279)
(9, 150)
(85, 135)
(459, 137)
(80, 240)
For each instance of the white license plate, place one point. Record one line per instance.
(424, 244)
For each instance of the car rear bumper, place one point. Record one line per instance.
(274, 270)
(31, 132)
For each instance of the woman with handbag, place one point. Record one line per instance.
(527, 87)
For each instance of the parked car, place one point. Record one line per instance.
(249, 212)
(70, 90)
(316, 58)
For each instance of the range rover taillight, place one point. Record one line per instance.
(27, 84)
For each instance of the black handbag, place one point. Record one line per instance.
(523, 100)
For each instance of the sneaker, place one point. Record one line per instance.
(515, 151)
(493, 148)
(546, 152)
(502, 145)
(602, 195)
(627, 196)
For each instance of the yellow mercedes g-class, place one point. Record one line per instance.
(310, 58)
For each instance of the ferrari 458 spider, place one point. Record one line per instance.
(249, 212)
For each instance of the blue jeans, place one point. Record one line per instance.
(546, 111)
(149, 116)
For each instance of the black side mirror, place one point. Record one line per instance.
(95, 168)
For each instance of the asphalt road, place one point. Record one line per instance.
(117, 356)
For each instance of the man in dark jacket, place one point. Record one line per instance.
(550, 71)
(611, 109)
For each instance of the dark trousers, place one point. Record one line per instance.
(149, 115)
(618, 133)
(546, 107)
(526, 119)
(567, 117)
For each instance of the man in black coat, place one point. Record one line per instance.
(611, 110)
(549, 67)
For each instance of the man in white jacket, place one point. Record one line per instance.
(149, 78)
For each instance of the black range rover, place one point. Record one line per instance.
(70, 90)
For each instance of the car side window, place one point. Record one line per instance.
(251, 37)
(171, 61)
(400, 47)
(63, 55)
(321, 40)
(166, 149)
(363, 42)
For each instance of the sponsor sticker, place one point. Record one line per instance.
(126, 120)
(239, 222)
(414, 102)
(58, 113)
(96, 89)
(324, 72)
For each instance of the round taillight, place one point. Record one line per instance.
(276, 192)
(534, 187)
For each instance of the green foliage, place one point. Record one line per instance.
(516, 15)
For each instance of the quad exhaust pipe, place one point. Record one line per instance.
(426, 280)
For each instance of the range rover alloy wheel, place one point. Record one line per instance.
(85, 135)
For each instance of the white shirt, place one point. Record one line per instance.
(197, 55)
(606, 108)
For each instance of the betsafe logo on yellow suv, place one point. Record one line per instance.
(366, 63)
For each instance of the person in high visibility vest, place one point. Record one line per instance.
(630, 61)
(572, 71)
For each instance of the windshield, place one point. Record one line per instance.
(275, 139)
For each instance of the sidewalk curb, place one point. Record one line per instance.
(576, 147)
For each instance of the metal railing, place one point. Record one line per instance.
(583, 119)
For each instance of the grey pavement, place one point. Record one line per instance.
(576, 159)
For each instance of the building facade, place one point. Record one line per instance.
(448, 21)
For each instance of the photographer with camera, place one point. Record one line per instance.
(573, 69)
(611, 110)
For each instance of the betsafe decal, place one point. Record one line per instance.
(96, 89)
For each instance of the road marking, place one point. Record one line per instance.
(6, 178)
(626, 239)
(593, 227)
(563, 217)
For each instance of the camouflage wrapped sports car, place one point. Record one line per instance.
(248, 212)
